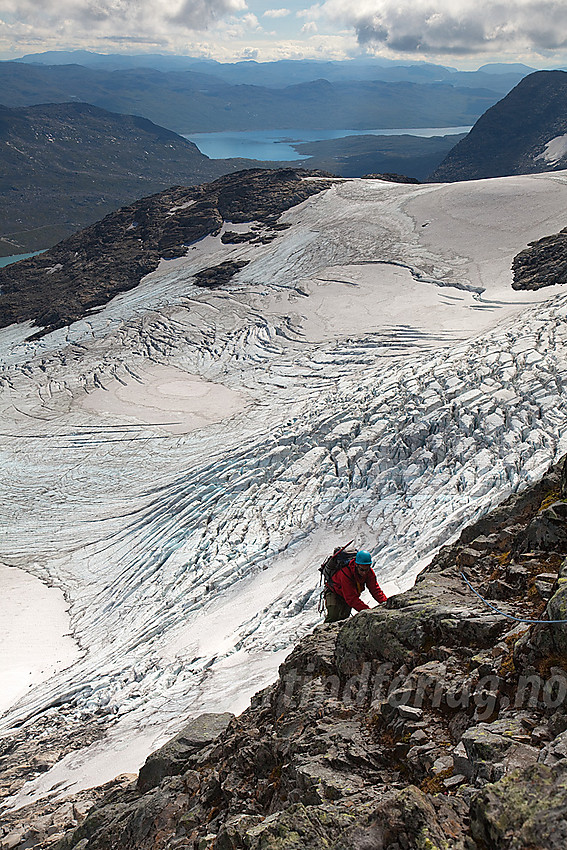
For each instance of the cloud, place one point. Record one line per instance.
(137, 18)
(251, 21)
(454, 27)
(276, 13)
(312, 12)
(309, 27)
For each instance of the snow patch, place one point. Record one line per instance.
(166, 397)
(555, 150)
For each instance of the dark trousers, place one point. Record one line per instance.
(337, 608)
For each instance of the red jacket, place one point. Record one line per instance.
(349, 585)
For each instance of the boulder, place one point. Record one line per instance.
(298, 827)
(412, 819)
(527, 809)
(495, 749)
(557, 610)
(171, 759)
(438, 610)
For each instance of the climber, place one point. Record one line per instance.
(343, 588)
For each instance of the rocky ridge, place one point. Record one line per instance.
(111, 256)
(437, 720)
(524, 133)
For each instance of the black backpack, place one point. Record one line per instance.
(335, 562)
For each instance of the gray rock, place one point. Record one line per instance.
(547, 532)
(418, 737)
(438, 610)
(461, 762)
(555, 751)
(319, 782)
(546, 584)
(232, 835)
(408, 712)
(517, 574)
(12, 840)
(408, 819)
(442, 763)
(557, 610)
(452, 782)
(297, 828)
(495, 749)
(526, 809)
(171, 759)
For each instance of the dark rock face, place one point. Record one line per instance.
(511, 137)
(548, 531)
(525, 812)
(91, 267)
(542, 263)
(170, 759)
(218, 275)
(392, 178)
(423, 723)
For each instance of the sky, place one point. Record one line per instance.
(459, 33)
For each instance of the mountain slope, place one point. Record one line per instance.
(355, 156)
(524, 133)
(65, 165)
(380, 727)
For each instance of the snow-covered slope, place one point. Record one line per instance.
(181, 462)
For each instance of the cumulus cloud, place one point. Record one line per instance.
(276, 13)
(135, 17)
(312, 12)
(309, 27)
(454, 26)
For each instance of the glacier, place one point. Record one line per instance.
(179, 463)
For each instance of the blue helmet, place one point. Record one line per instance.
(363, 558)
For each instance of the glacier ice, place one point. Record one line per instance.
(180, 462)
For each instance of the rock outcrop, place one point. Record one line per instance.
(542, 263)
(438, 720)
(89, 268)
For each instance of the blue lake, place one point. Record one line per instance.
(7, 261)
(268, 145)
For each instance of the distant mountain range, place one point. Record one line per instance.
(524, 133)
(193, 101)
(497, 77)
(63, 166)
(66, 163)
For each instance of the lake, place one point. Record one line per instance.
(269, 145)
(13, 258)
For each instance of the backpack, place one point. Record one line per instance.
(335, 562)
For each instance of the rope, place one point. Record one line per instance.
(503, 613)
